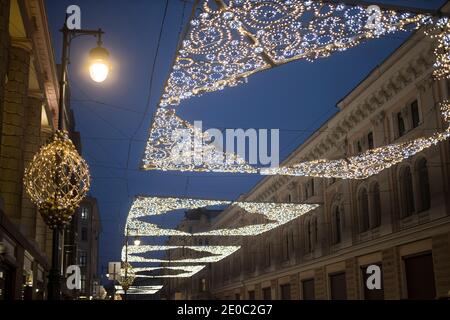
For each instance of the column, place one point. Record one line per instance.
(31, 144)
(441, 262)
(11, 157)
(391, 274)
(352, 278)
(320, 283)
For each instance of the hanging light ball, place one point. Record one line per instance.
(57, 179)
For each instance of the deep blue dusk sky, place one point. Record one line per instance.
(296, 96)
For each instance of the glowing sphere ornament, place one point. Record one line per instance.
(57, 179)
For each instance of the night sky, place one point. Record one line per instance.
(295, 98)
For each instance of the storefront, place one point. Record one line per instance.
(23, 268)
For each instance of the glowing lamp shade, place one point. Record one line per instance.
(99, 64)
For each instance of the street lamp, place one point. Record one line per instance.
(99, 63)
(58, 177)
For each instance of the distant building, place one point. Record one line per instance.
(81, 242)
(398, 220)
(196, 220)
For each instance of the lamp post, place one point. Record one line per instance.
(128, 279)
(98, 69)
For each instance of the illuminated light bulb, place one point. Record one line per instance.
(99, 64)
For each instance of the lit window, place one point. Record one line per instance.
(84, 213)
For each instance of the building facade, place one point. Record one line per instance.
(398, 220)
(81, 247)
(29, 94)
(28, 105)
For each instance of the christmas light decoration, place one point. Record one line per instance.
(174, 144)
(186, 271)
(276, 213)
(370, 162)
(217, 253)
(441, 32)
(141, 290)
(229, 41)
(57, 179)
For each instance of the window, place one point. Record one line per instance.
(419, 273)
(83, 283)
(308, 289)
(370, 140)
(251, 295)
(359, 148)
(400, 124)
(424, 185)
(285, 291)
(308, 233)
(363, 208)
(337, 225)
(313, 192)
(316, 231)
(83, 258)
(84, 213)
(289, 198)
(202, 285)
(415, 114)
(376, 206)
(267, 293)
(338, 286)
(406, 192)
(84, 235)
(286, 245)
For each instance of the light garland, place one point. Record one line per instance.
(141, 290)
(441, 32)
(57, 180)
(217, 253)
(224, 45)
(171, 146)
(370, 162)
(277, 213)
(187, 271)
(148, 206)
(241, 37)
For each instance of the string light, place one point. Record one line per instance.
(276, 213)
(225, 45)
(139, 290)
(370, 162)
(186, 271)
(57, 179)
(217, 253)
(172, 145)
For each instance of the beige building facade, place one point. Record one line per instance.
(398, 220)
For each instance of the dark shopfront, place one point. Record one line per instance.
(22, 267)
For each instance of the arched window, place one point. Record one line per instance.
(363, 210)
(424, 184)
(376, 206)
(337, 225)
(406, 192)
